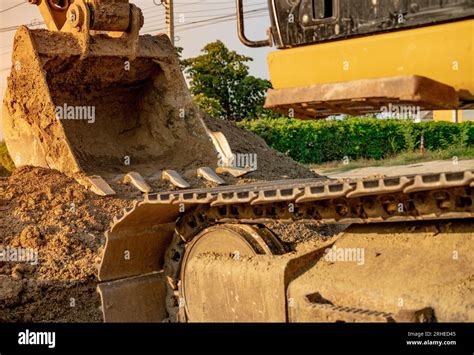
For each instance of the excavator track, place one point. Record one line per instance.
(392, 199)
(160, 227)
(210, 254)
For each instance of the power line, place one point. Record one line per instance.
(13, 28)
(182, 18)
(210, 23)
(177, 13)
(219, 21)
(153, 23)
(205, 16)
(229, 16)
(12, 7)
(203, 2)
(208, 10)
(158, 25)
(224, 8)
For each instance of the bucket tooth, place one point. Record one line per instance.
(138, 181)
(235, 172)
(175, 179)
(227, 157)
(222, 146)
(209, 174)
(97, 185)
(78, 104)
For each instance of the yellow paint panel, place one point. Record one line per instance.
(452, 116)
(443, 53)
(445, 115)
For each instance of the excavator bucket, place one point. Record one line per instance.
(99, 106)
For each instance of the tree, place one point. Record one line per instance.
(209, 105)
(222, 76)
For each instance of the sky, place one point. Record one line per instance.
(198, 22)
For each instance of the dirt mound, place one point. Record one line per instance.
(272, 165)
(44, 212)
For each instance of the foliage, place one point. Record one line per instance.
(357, 138)
(222, 75)
(209, 105)
(6, 164)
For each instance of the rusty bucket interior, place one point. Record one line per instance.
(104, 112)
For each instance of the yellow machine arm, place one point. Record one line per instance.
(53, 11)
(99, 15)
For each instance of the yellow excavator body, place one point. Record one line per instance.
(429, 67)
(443, 53)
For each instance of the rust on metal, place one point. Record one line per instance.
(362, 96)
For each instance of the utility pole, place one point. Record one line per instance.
(170, 19)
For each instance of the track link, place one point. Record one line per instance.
(141, 230)
(421, 197)
(404, 198)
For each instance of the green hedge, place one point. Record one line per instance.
(6, 164)
(369, 138)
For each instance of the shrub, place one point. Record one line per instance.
(369, 138)
(6, 164)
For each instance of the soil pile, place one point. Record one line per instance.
(49, 214)
(44, 212)
(272, 165)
